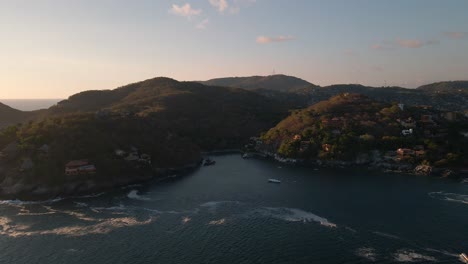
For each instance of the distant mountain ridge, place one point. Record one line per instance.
(9, 115)
(297, 93)
(278, 82)
(452, 86)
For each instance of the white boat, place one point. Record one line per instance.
(274, 181)
(464, 258)
(247, 156)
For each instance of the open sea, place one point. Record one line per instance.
(30, 104)
(229, 213)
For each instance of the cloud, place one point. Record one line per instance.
(233, 6)
(456, 34)
(409, 43)
(221, 5)
(403, 43)
(203, 24)
(185, 11)
(267, 40)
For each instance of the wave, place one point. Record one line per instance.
(104, 226)
(133, 194)
(295, 215)
(216, 204)
(218, 222)
(403, 255)
(386, 235)
(443, 252)
(367, 253)
(20, 202)
(451, 197)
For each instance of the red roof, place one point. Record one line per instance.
(77, 163)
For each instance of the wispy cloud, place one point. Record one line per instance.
(267, 40)
(202, 24)
(456, 34)
(184, 11)
(233, 6)
(221, 5)
(403, 43)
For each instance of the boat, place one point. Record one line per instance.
(274, 181)
(209, 162)
(464, 258)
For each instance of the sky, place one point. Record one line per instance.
(55, 48)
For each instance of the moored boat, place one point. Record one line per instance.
(274, 181)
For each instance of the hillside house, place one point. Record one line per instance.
(408, 123)
(407, 132)
(326, 147)
(297, 137)
(405, 152)
(427, 119)
(79, 167)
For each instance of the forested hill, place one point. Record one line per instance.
(10, 116)
(454, 86)
(278, 82)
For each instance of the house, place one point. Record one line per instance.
(405, 152)
(79, 167)
(408, 123)
(426, 119)
(120, 153)
(297, 137)
(407, 132)
(132, 157)
(401, 106)
(326, 147)
(336, 132)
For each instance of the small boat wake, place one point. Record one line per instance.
(450, 197)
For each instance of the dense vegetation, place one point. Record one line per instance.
(297, 93)
(348, 125)
(170, 121)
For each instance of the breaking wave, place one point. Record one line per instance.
(295, 215)
(403, 255)
(451, 197)
(104, 226)
(133, 194)
(367, 253)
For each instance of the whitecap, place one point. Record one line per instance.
(133, 194)
(218, 222)
(367, 253)
(451, 197)
(403, 255)
(216, 204)
(386, 235)
(103, 226)
(295, 215)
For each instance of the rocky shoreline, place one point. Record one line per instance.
(41, 192)
(375, 164)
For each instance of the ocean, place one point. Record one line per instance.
(30, 104)
(229, 213)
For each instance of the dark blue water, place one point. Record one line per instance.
(229, 213)
(30, 104)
